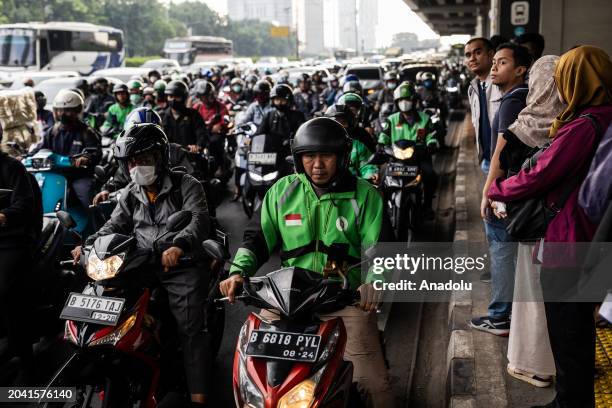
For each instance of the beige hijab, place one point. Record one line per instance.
(532, 125)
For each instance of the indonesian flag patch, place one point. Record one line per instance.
(292, 220)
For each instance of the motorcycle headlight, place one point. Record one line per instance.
(300, 396)
(255, 176)
(403, 154)
(250, 394)
(114, 337)
(452, 89)
(270, 176)
(98, 269)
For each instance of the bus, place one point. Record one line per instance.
(188, 50)
(81, 47)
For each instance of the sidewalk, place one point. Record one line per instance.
(476, 360)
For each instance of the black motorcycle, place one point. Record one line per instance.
(402, 186)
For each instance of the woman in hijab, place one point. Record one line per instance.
(583, 78)
(530, 357)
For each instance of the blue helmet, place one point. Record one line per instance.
(142, 115)
(351, 77)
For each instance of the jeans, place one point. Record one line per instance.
(485, 165)
(502, 252)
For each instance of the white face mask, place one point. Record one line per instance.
(405, 106)
(143, 175)
(391, 85)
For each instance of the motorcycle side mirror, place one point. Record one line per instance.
(178, 221)
(289, 160)
(215, 250)
(370, 253)
(100, 172)
(214, 182)
(66, 219)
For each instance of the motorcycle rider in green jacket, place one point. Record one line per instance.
(319, 219)
(412, 124)
(346, 111)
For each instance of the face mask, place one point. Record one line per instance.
(66, 119)
(237, 89)
(177, 105)
(281, 107)
(405, 106)
(135, 99)
(391, 85)
(143, 175)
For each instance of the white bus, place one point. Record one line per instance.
(187, 50)
(81, 47)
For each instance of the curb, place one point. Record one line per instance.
(460, 361)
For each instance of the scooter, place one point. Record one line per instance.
(50, 170)
(262, 171)
(114, 326)
(296, 361)
(402, 186)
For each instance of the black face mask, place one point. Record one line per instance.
(282, 108)
(67, 119)
(177, 104)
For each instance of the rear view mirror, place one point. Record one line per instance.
(377, 159)
(65, 219)
(289, 159)
(178, 221)
(215, 250)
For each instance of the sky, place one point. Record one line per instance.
(394, 16)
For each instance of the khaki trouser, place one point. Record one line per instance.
(364, 351)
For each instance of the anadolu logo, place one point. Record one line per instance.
(342, 224)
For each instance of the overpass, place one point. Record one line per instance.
(563, 23)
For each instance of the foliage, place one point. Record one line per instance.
(147, 23)
(138, 61)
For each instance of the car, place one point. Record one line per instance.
(123, 74)
(370, 76)
(163, 65)
(409, 72)
(15, 80)
(294, 73)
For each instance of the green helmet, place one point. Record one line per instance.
(405, 90)
(160, 86)
(134, 84)
(350, 99)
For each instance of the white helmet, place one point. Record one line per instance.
(66, 99)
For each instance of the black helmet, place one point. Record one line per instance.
(153, 72)
(100, 80)
(141, 138)
(204, 88)
(304, 77)
(40, 97)
(120, 87)
(262, 86)
(282, 91)
(251, 79)
(390, 76)
(323, 135)
(352, 86)
(177, 88)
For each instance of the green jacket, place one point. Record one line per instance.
(309, 230)
(360, 155)
(397, 128)
(115, 117)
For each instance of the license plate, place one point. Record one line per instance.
(403, 171)
(284, 346)
(92, 309)
(262, 158)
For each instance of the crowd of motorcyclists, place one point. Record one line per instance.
(170, 142)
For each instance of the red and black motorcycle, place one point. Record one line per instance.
(296, 361)
(115, 327)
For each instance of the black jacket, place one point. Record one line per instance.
(23, 215)
(279, 126)
(188, 129)
(135, 214)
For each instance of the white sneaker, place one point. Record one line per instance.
(541, 382)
